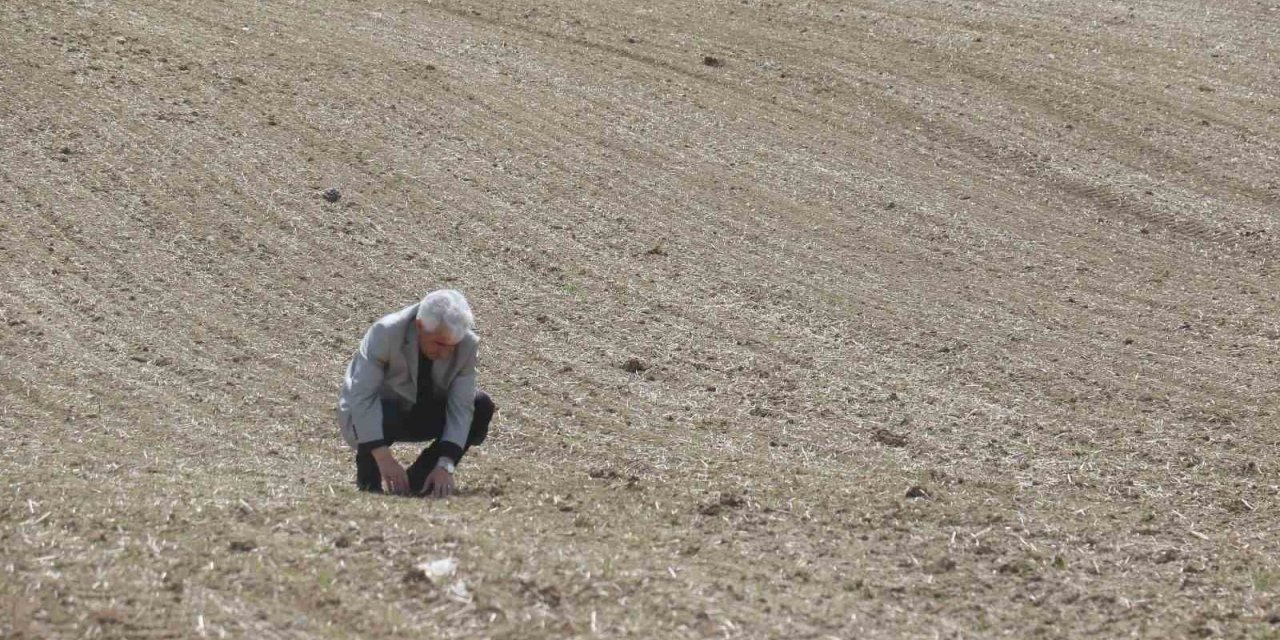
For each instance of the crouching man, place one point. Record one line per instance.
(413, 379)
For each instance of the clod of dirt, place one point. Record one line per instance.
(1274, 618)
(712, 61)
(342, 542)
(725, 502)
(332, 195)
(917, 492)
(941, 565)
(889, 439)
(604, 474)
(634, 365)
(1019, 567)
(242, 546)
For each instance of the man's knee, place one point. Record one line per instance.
(483, 416)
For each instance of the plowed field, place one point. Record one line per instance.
(876, 319)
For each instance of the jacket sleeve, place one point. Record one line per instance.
(460, 410)
(360, 390)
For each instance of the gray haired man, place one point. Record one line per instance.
(413, 379)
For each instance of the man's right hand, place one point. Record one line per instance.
(394, 478)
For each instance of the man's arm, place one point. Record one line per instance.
(459, 410)
(361, 394)
(360, 390)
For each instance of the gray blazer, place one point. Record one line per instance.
(385, 367)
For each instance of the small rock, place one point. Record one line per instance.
(1274, 618)
(918, 492)
(604, 473)
(941, 565)
(342, 542)
(634, 365)
(890, 439)
(712, 61)
(726, 501)
(242, 546)
(332, 195)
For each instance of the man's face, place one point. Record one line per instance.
(436, 345)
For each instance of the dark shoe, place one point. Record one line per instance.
(368, 478)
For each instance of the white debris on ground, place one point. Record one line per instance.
(438, 570)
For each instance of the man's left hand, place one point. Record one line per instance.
(439, 483)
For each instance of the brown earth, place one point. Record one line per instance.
(889, 319)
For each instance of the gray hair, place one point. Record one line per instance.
(446, 307)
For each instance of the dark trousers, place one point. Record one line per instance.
(424, 423)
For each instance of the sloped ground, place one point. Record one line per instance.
(951, 320)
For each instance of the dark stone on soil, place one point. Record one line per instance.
(941, 565)
(889, 439)
(712, 61)
(725, 502)
(242, 546)
(918, 492)
(332, 195)
(634, 365)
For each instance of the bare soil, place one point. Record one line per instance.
(887, 319)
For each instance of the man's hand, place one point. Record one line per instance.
(394, 478)
(439, 483)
